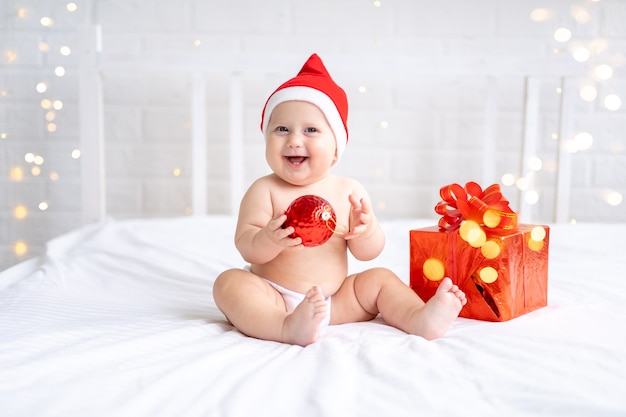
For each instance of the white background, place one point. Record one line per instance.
(420, 76)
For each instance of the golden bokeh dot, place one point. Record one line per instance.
(535, 245)
(466, 227)
(433, 269)
(16, 174)
(488, 275)
(476, 238)
(491, 218)
(490, 249)
(538, 233)
(20, 212)
(20, 248)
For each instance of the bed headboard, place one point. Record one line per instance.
(94, 69)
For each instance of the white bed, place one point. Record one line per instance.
(118, 319)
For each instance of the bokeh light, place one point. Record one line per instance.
(41, 87)
(603, 72)
(612, 102)
(433, 269)
(613, 198)
(490, 249)
(508, 179)
(581, 54)
(46, 21)
(531, 197)
(20, 248)
(488, 274)
(538, 233)
(562, 35)
(588, 93)
(535, 163)
(16, 174)
(540, 14)
(522, 183)
(580, 14)
(583, 140)
(20, 212)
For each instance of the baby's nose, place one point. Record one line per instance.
(294, 140)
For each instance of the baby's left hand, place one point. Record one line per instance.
(360, 217)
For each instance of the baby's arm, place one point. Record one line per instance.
(365, 239)
(259, 236)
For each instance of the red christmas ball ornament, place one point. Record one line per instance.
(313, 219)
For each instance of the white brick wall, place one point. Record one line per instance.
(435, 125)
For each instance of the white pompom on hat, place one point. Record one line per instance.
(313, 84)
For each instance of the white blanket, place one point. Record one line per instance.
(118, 319)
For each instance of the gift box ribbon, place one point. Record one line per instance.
(486, 207)
(474, 214)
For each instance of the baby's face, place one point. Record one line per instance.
(300, 146)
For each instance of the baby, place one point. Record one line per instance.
(289, 291)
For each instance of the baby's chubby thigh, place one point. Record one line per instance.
(239, 293)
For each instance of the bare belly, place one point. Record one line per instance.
(299, 269)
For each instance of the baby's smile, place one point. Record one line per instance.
(296, 160)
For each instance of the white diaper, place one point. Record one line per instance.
(293, 299)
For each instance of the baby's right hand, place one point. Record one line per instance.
(279, 235)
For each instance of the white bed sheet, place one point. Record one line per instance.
(118, 319)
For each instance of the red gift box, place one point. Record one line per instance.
(501, 266)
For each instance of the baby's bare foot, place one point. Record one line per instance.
(302, 326)
(434, 319)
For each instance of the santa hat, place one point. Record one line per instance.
(314, 85)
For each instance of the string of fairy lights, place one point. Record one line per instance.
(601, 63)
(594, 53)
(32, 164)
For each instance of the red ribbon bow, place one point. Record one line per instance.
(486, 207)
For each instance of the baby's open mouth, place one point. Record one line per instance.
(296, 160)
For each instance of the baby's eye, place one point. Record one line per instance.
(282, 129)
(310, 130)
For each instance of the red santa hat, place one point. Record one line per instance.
(314, 85)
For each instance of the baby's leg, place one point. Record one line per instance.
(379, 290)
(258, 310)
